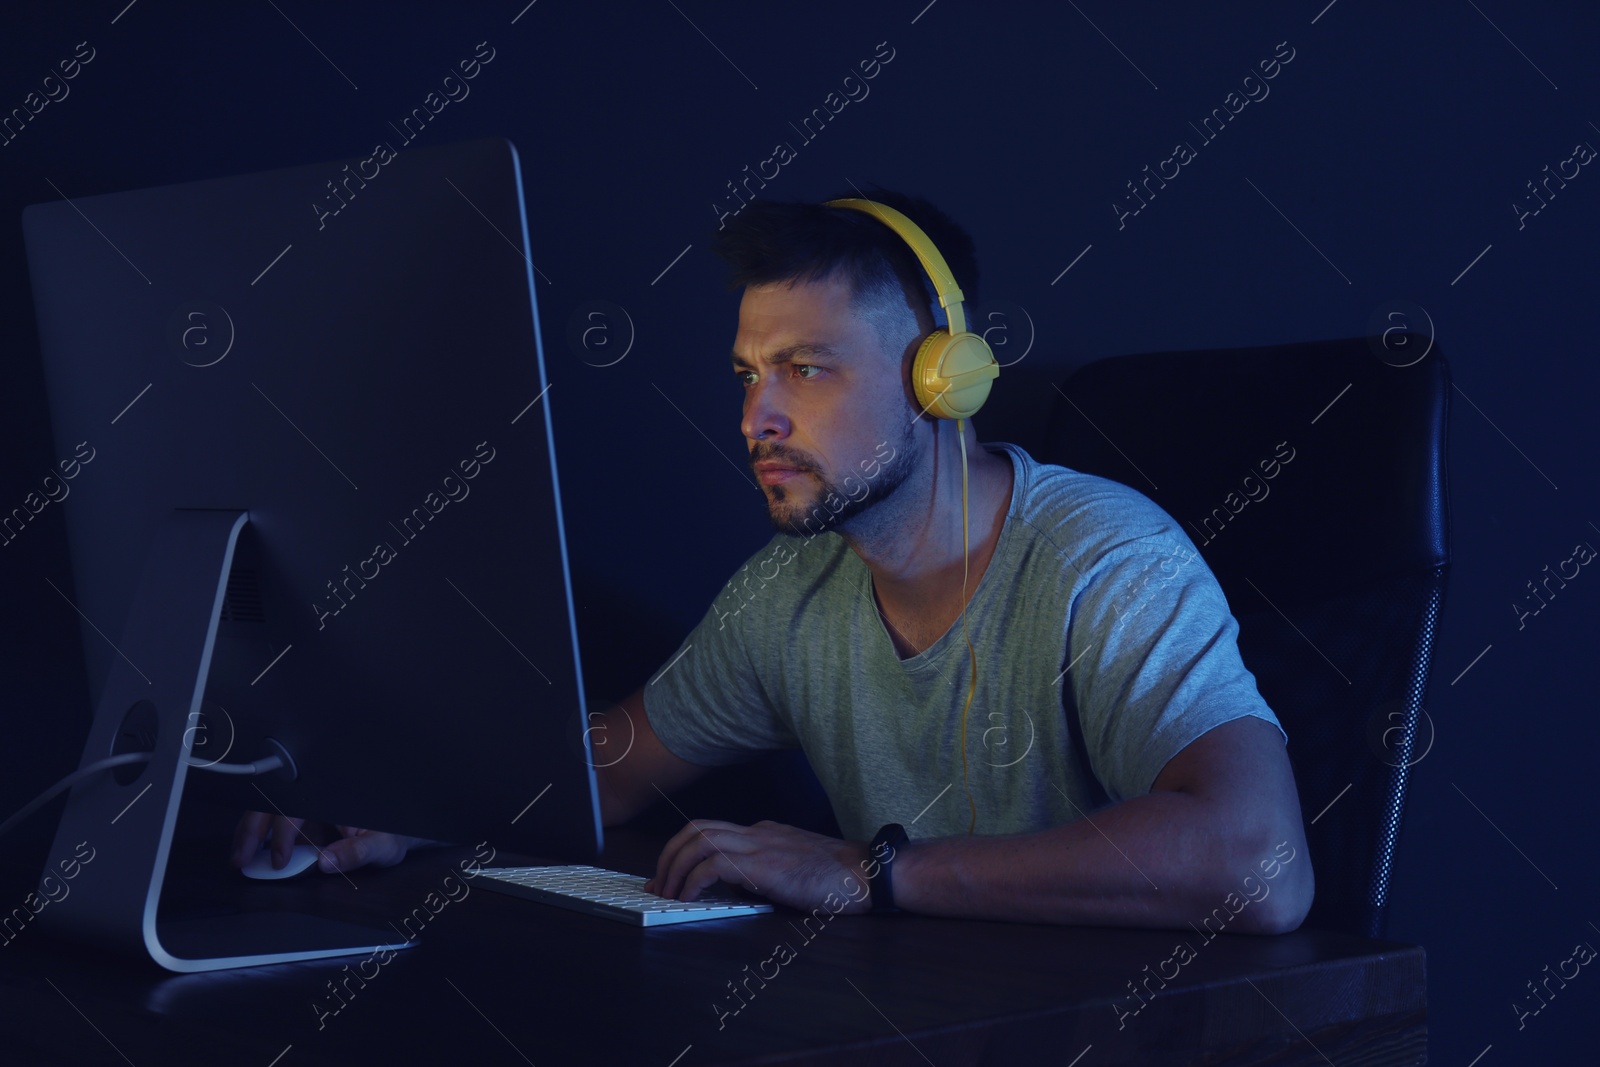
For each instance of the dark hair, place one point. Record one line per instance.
(771, 241)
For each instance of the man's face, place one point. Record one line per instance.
(827, 411)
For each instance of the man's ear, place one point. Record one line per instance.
(900, 327)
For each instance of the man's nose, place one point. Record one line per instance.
(764, 417)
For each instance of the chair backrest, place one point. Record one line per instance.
(1312, 479)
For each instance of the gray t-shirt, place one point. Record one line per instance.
(1104, 646)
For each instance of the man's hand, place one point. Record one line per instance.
(340, 848)
(782, 863)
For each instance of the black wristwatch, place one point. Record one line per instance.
(882, 852)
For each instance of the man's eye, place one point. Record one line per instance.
(806, 366)
(740, 374)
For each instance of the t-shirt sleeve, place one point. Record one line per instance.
(708, 703)
(1155, 660)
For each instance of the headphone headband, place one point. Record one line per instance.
(953, 368)
(944, 283)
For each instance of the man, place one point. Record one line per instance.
(1120, 767)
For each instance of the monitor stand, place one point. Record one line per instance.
(123, 820)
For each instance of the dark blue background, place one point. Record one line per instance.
(1385, 159)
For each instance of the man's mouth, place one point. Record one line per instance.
(774, 474)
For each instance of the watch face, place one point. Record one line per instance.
(886, 840)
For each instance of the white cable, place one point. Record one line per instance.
(71, 780)
(260, 766)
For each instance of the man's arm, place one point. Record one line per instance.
(628, 758)
(1220, 816)
(1219, 831)
(632, 767)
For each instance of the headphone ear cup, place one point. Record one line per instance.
(925, 373)
(951, 375)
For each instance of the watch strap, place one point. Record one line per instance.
(882, 853)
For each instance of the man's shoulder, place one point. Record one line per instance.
(1087, 511)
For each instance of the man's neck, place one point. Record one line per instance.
(916, 560)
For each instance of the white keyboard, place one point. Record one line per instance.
(612, 895)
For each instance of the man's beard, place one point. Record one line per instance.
(808, 515)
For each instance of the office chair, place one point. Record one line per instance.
(1334, 566)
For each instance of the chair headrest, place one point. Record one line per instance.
(1315, 466)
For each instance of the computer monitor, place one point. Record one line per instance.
(305, 426)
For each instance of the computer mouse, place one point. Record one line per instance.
(301, 859)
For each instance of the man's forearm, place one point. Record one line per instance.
(1165, 859)
(613, 810)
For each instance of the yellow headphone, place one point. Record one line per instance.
(951, 377)
(954, 368)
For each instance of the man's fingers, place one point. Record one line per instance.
(248, 835)
(285, 832)
(686, 859)
(345, 854)
(256, 828)
(708, 839)
(705, 874)
(362, 848)
(693, 835)
(354, 847)
(685, 839)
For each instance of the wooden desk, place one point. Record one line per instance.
(497, 980)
